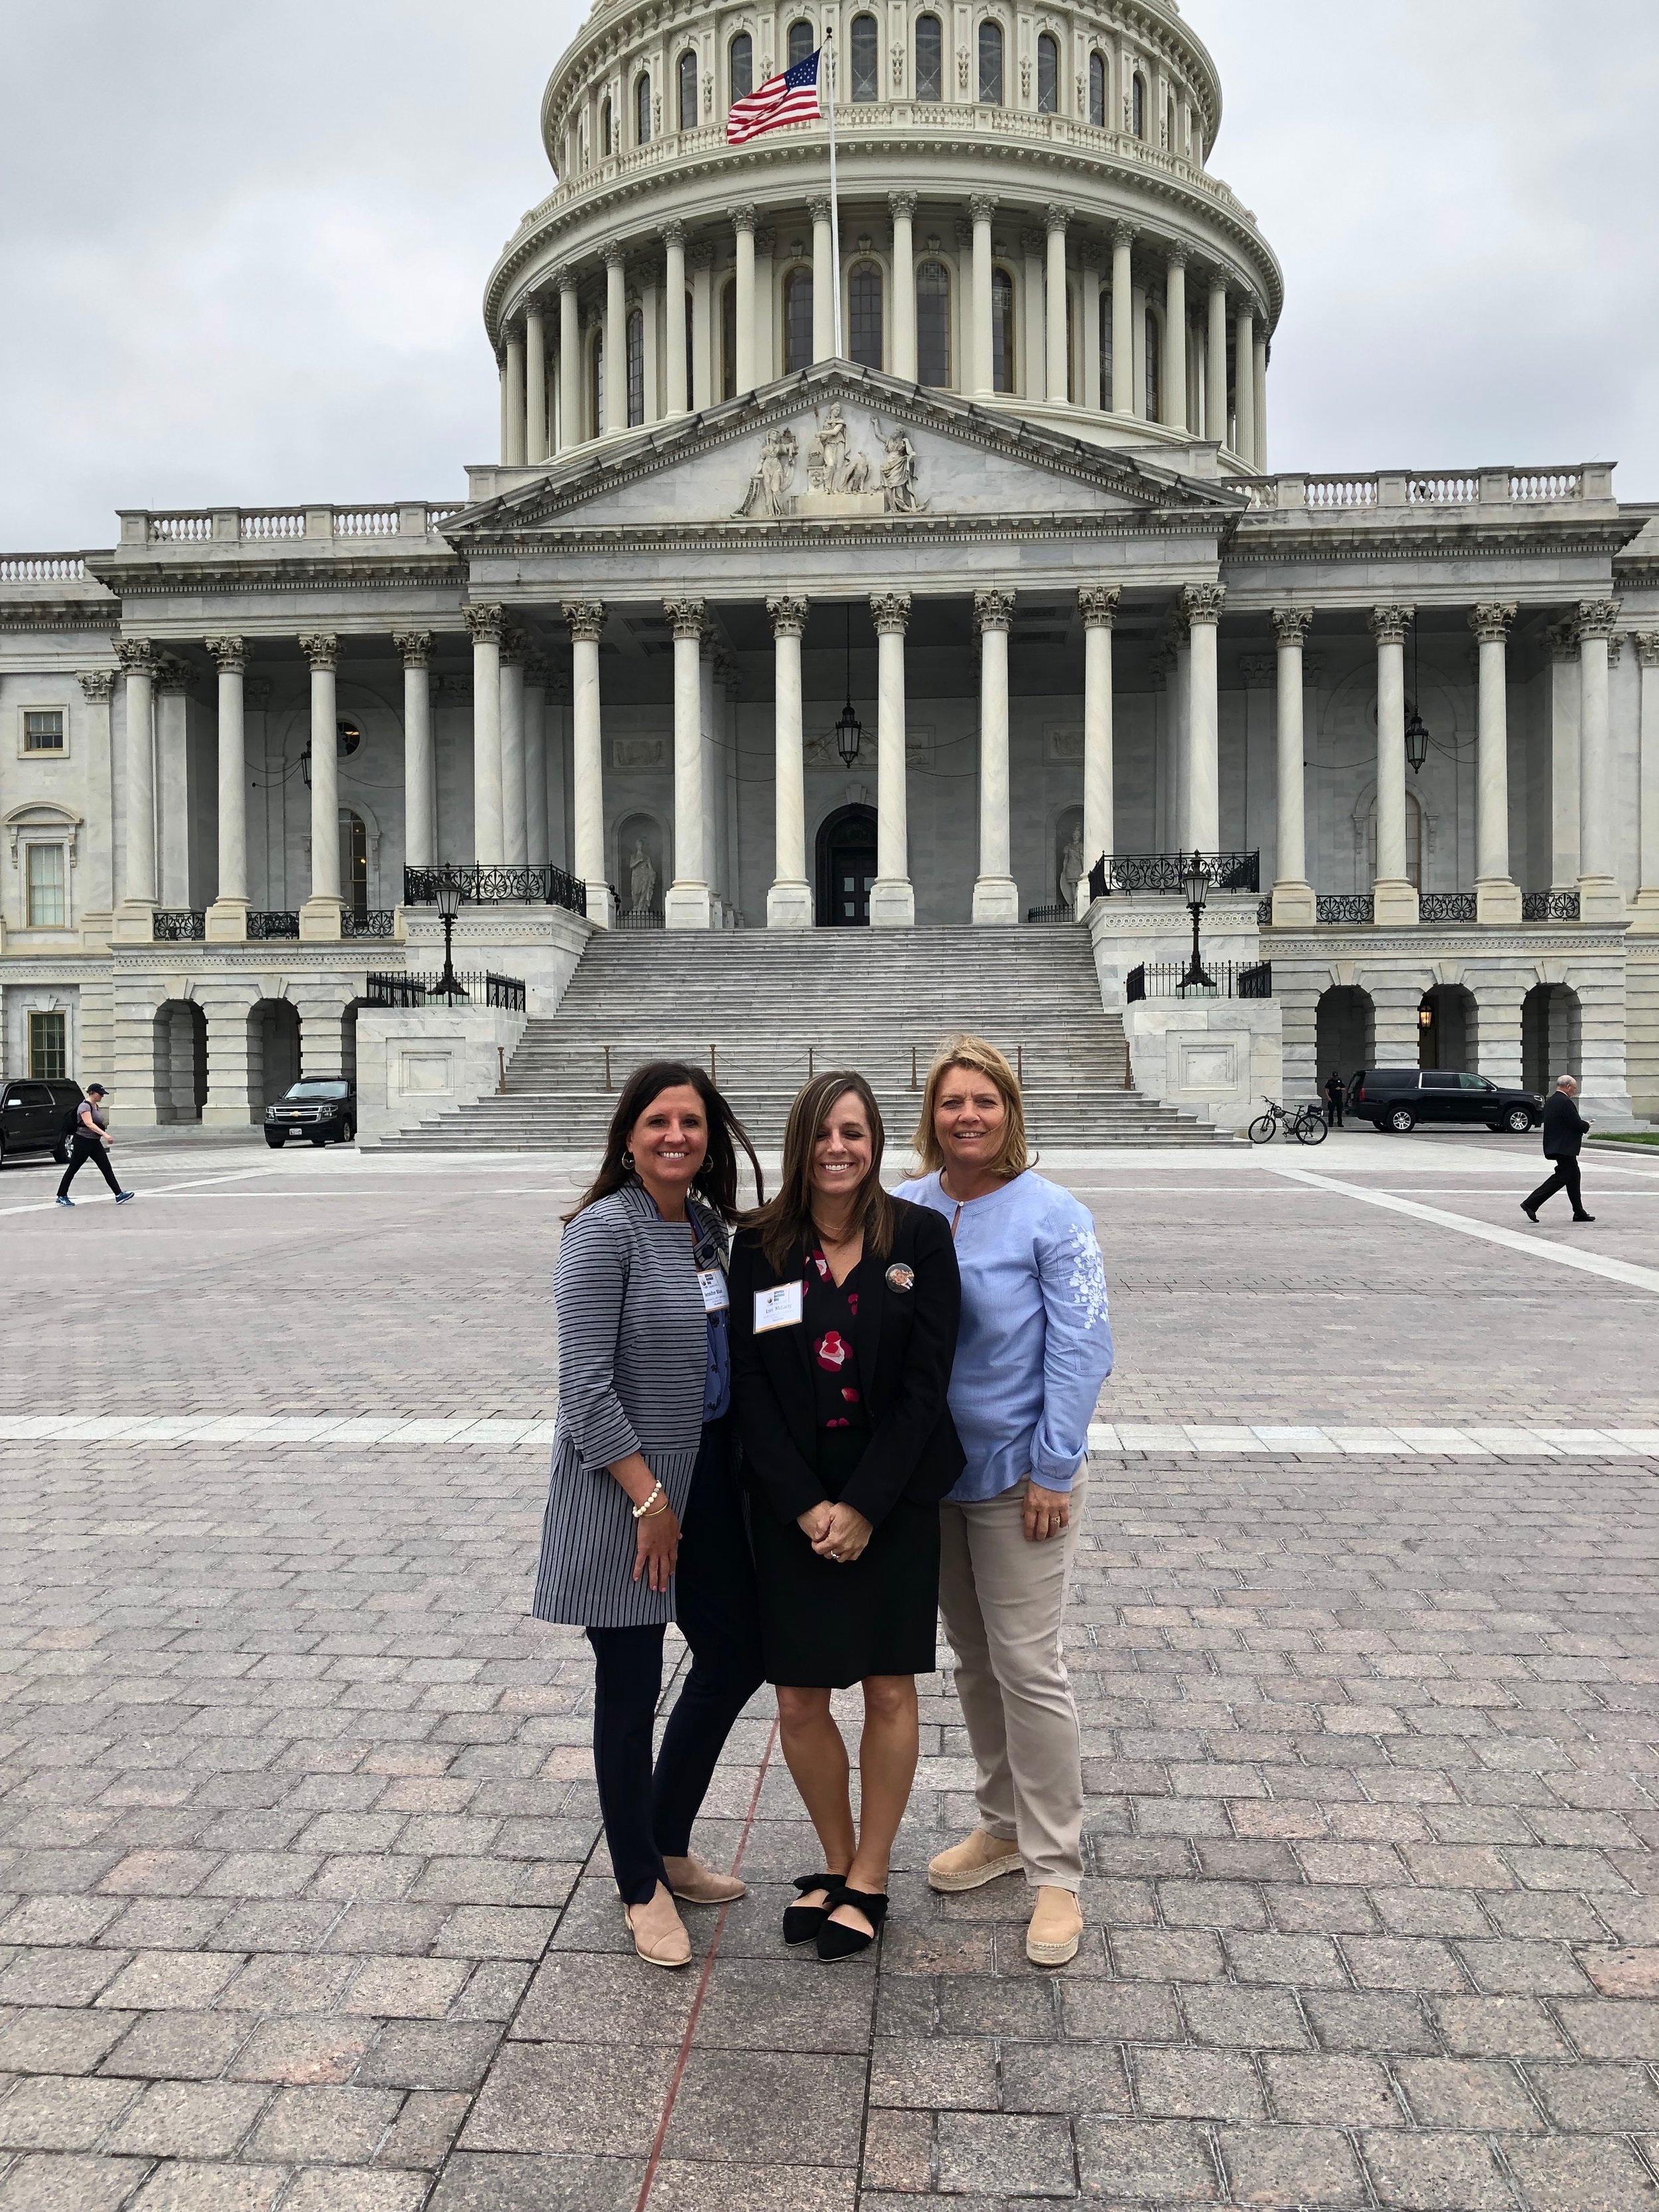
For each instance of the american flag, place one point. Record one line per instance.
(791, 98)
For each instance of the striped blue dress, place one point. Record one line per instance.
(632, 1360)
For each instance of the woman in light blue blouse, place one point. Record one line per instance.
(1034, 1348)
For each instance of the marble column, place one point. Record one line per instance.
(1259, 355)
(1059, 333)
(1561, 645)
(1032, 352)
(227, 918)
(1244, 383)
(1174, 365)
(319, 917)
(686, 904)
(1295, 901)
(515, 843)
(789, 900)
(902, 206)
(535, 382)
(743, 224)
(420, 829)
(892, 896)
(1089, 393)
(1097, 604)
(570, 359)
(1496, 897)
(1645, 907)
(1201, 605)
(585, 619)
(711, 809)
(489, 819)
(535, 762)
(701, 261)
(614, 376)
(677, 399)
(1215, 366)
(134, 921)
(765, 362)
(1600, 898)
(98, 879)
(824, 279)
(174, 785)
(981, 354)
(1393, 896)
(1138, 351)
(996, 895)
(650, 326)
(1180, 747)
(513, 456)
(1123, 321)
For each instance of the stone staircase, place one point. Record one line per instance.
(765, 1007)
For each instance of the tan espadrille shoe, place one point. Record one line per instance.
(1055, 1929)
(694, 1883)
(658, 1933)
(971, 1864)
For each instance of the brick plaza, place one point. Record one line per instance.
(304, 1902)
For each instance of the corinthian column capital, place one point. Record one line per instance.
(1490, 621)
(1291, 624)
(788, 616)
(585, 618)
(414, 646)
(1097, 604)
(1389, 624)
(485, 623)
(321, 649)
(993, 609)
(891, 611)
(136, 656)
(1596, 618)
(686, 617)
(229, 654)
(98, 682)
(1202, 603)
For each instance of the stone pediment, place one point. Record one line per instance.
(835, 445)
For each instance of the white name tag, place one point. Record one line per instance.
(778, 1309)
(711, 1281)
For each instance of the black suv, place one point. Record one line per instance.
(37, 1116)
(1399, 1098)
(319, 1107)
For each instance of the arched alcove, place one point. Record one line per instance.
(1344, 1030)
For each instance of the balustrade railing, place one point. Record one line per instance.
(365, 521)
(634, 917)
(1051, 915)
(1341, 491)
(376, 922)
(43, 567)
(269, 922)
(1547, 483)
(178, 925)
(506, 992)
(181, 529)
(1345, 905)
(1549, 906)
(1226, 978)
(1442, 491)
(1445, 906)
(414, 521)
(503, 887)
(1161, 873)
(266, 522)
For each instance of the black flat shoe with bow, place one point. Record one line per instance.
(836, 1941)
(801, 1923)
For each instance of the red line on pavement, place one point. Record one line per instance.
(702, 1983)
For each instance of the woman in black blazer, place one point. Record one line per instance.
(844, 1310)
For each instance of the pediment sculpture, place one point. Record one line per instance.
(839, 480)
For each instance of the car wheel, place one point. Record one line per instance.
(1401, 1120)
(276, 1143)
(1518, 1121)
(347, 1135)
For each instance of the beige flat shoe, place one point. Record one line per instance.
(1055, 1929)
(658, 1933)
(971, 1864)
(697, 1884)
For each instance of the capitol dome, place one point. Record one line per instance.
(1026, 218)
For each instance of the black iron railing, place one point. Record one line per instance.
(181, 926)
(1549, 906)
(377, 922)
(275, 922)
(486, 990)
(1229, 979)
(1445, 906)
(1344, 906)
(1161, 873)
(636, 917)
(484, 886)
(1264, 911)
(1050, 914)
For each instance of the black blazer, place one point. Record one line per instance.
(1564, 1127)
(906, 1341)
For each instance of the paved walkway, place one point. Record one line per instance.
(300, 1905)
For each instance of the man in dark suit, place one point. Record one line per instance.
(1565, 1129)
(1336, 1096)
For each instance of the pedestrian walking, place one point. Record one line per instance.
(845, 1304)
(1336, 1097)
(91, 1140)
(1034, 1348)
(1564, 1131)
(644, 1522)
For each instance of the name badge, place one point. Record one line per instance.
(711, 1281)
(778, 1309)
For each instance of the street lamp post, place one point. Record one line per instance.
(1195, 888)
(449, 901)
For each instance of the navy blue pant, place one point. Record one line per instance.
(649, 1814)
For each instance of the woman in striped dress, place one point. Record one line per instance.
(643, 1523)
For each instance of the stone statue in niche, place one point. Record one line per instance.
(1073, 869)
(768, 497)
(898, 474)
(642, 878)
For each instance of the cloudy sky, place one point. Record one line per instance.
(241, 248)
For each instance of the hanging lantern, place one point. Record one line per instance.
(1416, 739)
(849, 735)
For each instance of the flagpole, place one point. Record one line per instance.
(828, 65)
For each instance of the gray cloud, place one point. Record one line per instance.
(244, 248)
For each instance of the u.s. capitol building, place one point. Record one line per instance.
(1025, 522)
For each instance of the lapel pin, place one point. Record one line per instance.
(901, 1278)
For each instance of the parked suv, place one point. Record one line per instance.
(1399, 1098)
(320, 1108)
(37, 1116)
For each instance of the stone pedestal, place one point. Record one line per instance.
(135, 922)
(1393, 900)
(789, 905)
(1296, 905)
(892, 904)
(226, 922)
(319, 920)
(1496, 899)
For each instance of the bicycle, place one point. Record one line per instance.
(1305, 1123)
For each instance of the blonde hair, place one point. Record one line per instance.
(1011, 1157)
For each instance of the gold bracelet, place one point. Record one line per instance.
(656, 1512)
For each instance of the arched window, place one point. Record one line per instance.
(990, 63)
(687, 90)
(933, 324)
(1097, 90)
(797, 320)
(930, 58)
(635, 368)
(605, 128)
(1048, 75)
(1002, 330)
(801, 40)
(729, 341)
(642, 108)
(1154, 370)
(1138, 105)
(866, 59)
(1107, 396)
(596, 386)
(1169, 122)
(740, 66)
(864, 315)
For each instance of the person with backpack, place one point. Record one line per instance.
(91, 1140)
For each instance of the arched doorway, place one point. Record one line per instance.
(1447, 1032)
(180, 1060)
(1345, 1030)
(1550, 1036)
(847, 866)
(273, 1049)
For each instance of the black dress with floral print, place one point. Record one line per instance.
(828, 1312)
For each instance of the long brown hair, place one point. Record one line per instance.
(715, 1183)
(787, 1219)
(982, 1058)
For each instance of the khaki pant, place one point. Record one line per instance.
(1003, 1598)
